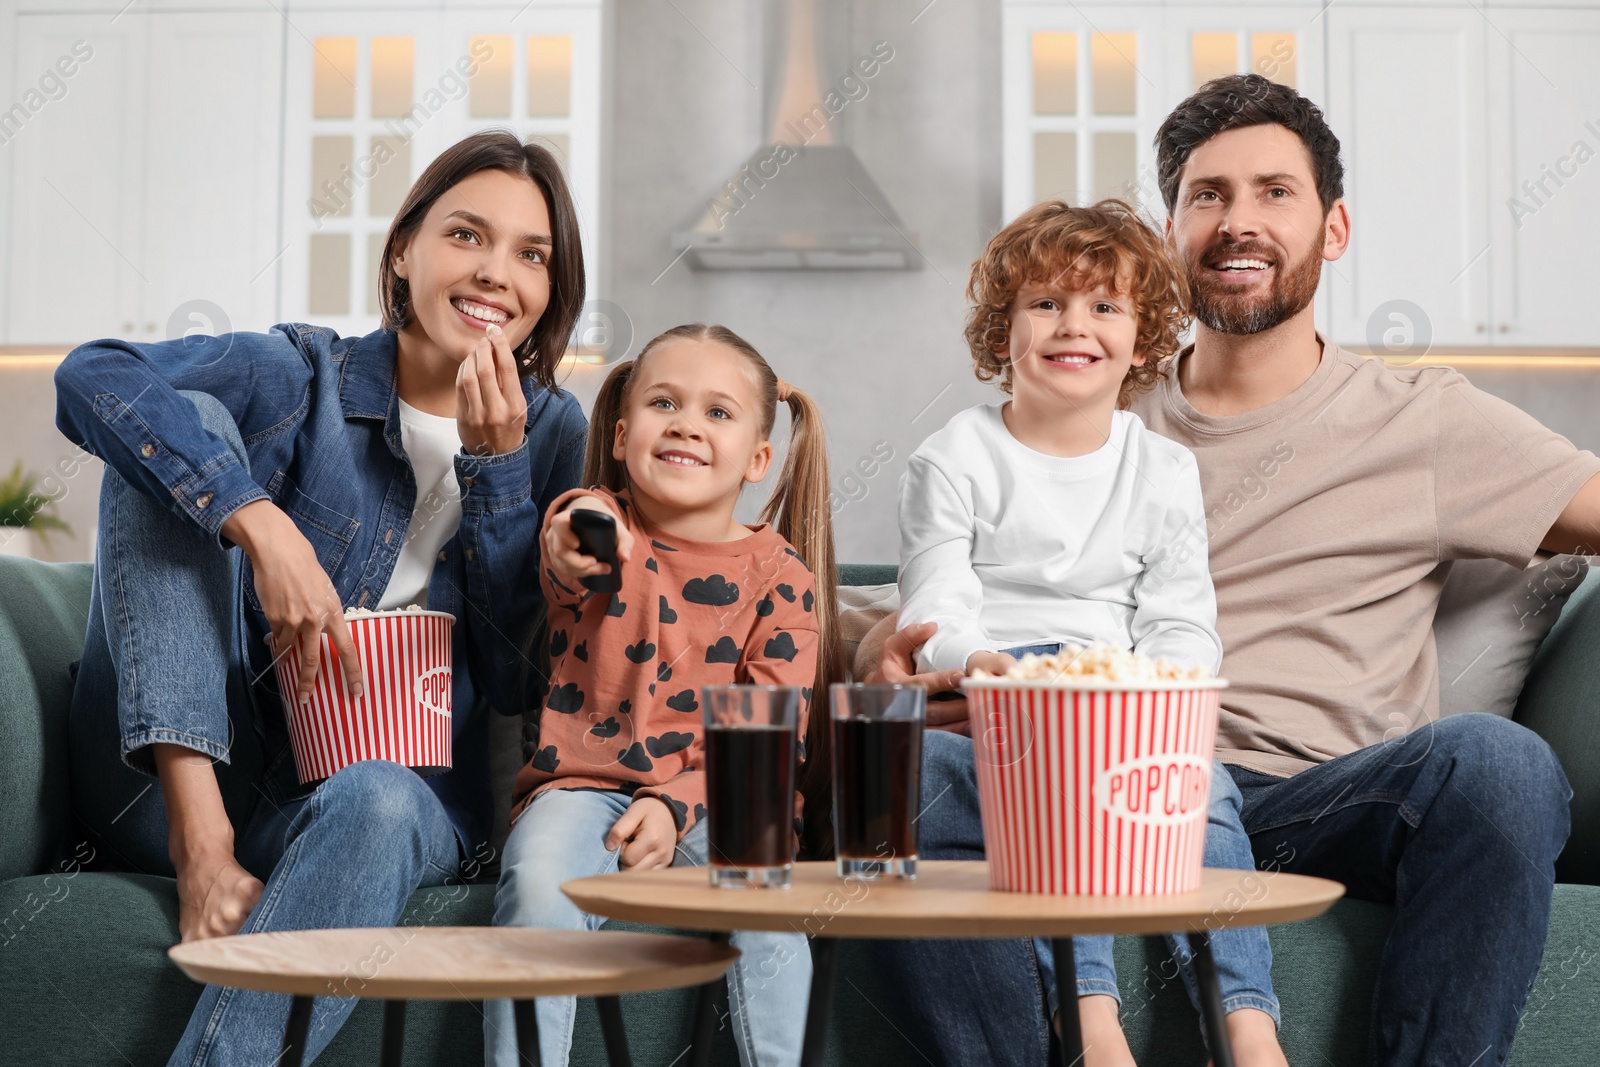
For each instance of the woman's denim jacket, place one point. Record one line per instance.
(319, 416)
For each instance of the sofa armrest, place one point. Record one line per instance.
(1561, 703)
(44, 609)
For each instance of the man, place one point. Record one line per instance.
(1338, 491)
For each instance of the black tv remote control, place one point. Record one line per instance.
(597, 537)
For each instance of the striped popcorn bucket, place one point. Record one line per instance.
(403, 716)
(1094, 790)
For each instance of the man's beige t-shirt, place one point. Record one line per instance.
(1332, 517)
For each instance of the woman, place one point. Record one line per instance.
(410, 465)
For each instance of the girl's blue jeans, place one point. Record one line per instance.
(161, 665)
(1243, 954)
(561, 836)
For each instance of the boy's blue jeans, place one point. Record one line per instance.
(157, 668)
(1243, 954)
(561, 836)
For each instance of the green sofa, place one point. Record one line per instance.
(84, 978)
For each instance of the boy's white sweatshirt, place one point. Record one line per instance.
(1005, 546)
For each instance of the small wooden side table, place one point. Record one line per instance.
(454, 963)
(949, 899)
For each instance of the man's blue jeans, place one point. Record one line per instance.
(561, 836)
(1457, 824)
(159, 666)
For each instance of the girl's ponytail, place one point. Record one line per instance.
(800, 509)
(599, 467)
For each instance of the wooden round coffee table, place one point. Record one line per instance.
(454, 963)
(951, 898)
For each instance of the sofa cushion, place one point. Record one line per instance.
(1491, 620)
(44, 610)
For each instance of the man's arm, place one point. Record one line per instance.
(1577, 529)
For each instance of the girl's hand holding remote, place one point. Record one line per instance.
(491, 412)
(561, 549)
(296, 594)
(646, 834)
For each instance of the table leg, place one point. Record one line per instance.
(705, 1014)
(615, 1033)
(392, 1050)
(1067, 1001)
(824, 976)
(1205, 969)
(295, 1033)
(527, 1032)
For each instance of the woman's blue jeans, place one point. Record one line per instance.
(162, 664)
(561, 836)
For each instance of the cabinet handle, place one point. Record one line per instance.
(127, 327)
(1505, 327)
(1481, 328)
(149, 327)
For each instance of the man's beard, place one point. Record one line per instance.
(1223, 309)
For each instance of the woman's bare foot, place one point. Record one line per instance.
(1254, 1037)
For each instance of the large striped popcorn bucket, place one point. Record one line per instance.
(403, 716)
(1094, 788)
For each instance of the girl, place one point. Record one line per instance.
(410, 464)
(617, 779)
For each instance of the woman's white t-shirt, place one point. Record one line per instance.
(431, 443)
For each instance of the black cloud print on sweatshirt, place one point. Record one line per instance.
(641, 651)
(668, 743)
(781, 646)
(546, 760)
(726, 650)
(635, 759)
(567, 699)
(714, 590)
(683, 701)
(668, 616)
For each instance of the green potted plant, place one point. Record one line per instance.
(25, 514)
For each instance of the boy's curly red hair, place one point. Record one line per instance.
(1081, 247)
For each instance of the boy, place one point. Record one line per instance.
(1058, 517)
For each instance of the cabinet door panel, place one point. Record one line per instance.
(211, 189)
(76, 256)
(1415, 174)
(1545, 179)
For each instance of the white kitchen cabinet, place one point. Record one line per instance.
(211, 172)
(1406, 96)
(76, 262)
(1544, 176)
(148, 190)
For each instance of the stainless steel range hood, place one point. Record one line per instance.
(802, 201)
